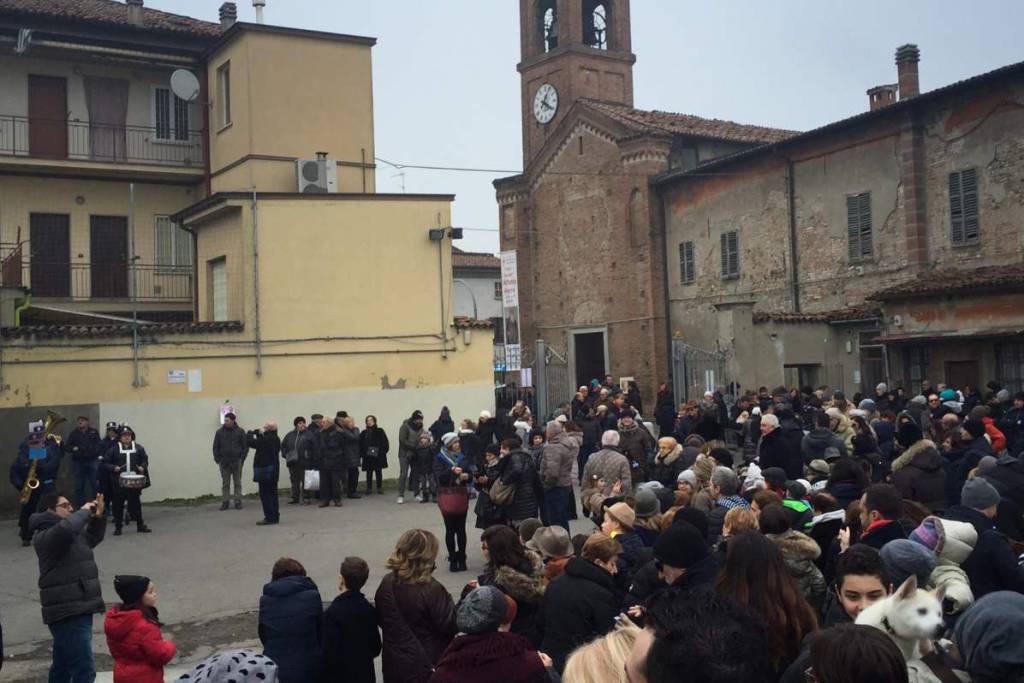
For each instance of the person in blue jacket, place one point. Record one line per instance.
(47, 468)
(291, 621)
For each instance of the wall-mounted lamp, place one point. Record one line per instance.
(438, 234)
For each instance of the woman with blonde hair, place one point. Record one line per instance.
(605, 658)
(415, 612)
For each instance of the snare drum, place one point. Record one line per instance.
(127, 480)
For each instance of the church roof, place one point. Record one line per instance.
(667, 123)
(474, 259)
(110, 13)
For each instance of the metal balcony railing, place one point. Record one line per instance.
(111, 281)
(83, 141)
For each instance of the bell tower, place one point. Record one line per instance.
(571, 49)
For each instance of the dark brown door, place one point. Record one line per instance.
(108, 244)
(962, 373)
(47, 117)
(50, 254)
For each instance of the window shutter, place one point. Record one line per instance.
(956, 209)
(164, 242)
(865, 225)
(686, 265)
(969, 193)
(725, 254)
(858, 226)
(182, 247)
(162, 107)
(734, 253)
(180, 119)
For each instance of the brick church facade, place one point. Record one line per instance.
(587, 230)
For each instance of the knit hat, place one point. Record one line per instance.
(909, 433)
(693, 516)
(723, 456)
(987, 464)
(920, 400)
(819, 466)
(752, 478)
(905, 558)
(528, 527)
(485, 414)
(867, 405)
(832, 453)
(978, 494)
(990, 637)
(448, 438)
(775, 476)
(623, 514)
(482, 611)
(551, 541)
(646, 503)
(688, 476)
(975, 428)
(680, 546)
(130, 588)
(238, 666)
(929, 534)
(947, 395)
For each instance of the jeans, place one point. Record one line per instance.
(297, 477)
(72, 650)
(455, 534)
(84, 472)
(403, 472)
(231, 472)
(269, 500)
(556, 506)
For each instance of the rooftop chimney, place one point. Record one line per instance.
(258, 5)
(907, 57)
(228, 15)
(135, 12)
(882, 96)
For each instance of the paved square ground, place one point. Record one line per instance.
(210, 568)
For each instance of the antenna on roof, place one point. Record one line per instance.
(258, 5)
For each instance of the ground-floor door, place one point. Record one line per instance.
(50, 254)
(962, 373)
(108, 244)
(589, 356)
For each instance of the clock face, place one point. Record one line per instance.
(545, 103)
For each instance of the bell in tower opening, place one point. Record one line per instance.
(549, 24)
(595, 24)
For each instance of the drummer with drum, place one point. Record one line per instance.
(128, 466)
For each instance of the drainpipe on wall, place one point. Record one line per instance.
(670, 366)
(256, 284)
(195, 270)
(440, 273)
(794, 254)
(133, 293)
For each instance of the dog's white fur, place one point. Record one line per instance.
(914, 618)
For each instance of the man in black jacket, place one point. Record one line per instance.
(229, 450)
(266, 469)
(69, 584)
(83, 444)
(351, 639)
(1012, 426)
(299, 452)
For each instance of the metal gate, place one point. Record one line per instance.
(551, 379)
(696, 370)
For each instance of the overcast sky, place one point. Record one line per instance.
(446, 89)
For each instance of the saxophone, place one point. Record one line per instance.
(53, 419)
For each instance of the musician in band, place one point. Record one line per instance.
(128, 458)
(83, 445)
(47, 468)
(105, 483)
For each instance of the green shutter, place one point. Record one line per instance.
(969, 193)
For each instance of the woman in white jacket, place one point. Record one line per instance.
(951, 542)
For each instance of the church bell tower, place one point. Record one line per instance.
(571, 49)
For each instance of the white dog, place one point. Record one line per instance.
(911, 617)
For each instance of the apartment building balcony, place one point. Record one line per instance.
(126, 151)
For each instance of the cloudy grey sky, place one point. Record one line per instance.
(446, 89)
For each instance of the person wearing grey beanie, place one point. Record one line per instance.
(978, 494)
(904, 558)
(483, 610)
(992, 565)
(990, 638)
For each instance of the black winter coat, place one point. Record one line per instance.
(69, 581)
(267, 446)
(351, 640)
(332, 449)
(517, 470)
(350, 447)
(845, 492)
(370, 437)
(83, 446)
(958, 464)
(578, 606)
(1012, 427)
(473, 447)
(992, 565)
(229, 445)
(774, 451)
(792, 435)
(1008, 478)
(47, 469)
(919, 475)
(485, 431)
(304, 444)
(290, 621)
(417, 622)
(116, 459)
(442, 425)
(666, 470)
(814, 443)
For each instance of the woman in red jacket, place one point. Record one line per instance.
(133, 633)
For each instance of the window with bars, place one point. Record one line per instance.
(1010, 366)
(173, 245)
(170, 115)
(730, 254)
(497, 290)
(917, 366)
(687, 267)
(858, 226)
(963, 206)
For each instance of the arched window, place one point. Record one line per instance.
(548, 15)
(595, 24)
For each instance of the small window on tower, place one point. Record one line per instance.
(595, 24)
(549, 24)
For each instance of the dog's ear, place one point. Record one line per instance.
(907, 589)
(940, 594)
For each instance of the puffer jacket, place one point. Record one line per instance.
(527, 589)
(578, 606)
(557, 460)
(636, 443)
(666, 469)
(332, 448)
(800, 553)
(69, 583)
(814, 443)
(919, 475)
(290, 623)
(139, 651)
(350, 447)
(607, 464)
(417, 623)
(230, 445)
(517, 470)
(956, 542)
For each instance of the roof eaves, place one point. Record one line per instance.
(243, 26)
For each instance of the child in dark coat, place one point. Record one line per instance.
(351, 639)
(424, 485)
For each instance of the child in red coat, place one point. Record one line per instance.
(133, 633)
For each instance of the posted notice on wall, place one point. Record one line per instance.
(510, 311)
(176, 376)
(195, 381)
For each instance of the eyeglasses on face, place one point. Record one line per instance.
(64, 504)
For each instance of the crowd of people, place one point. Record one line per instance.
(785, 535)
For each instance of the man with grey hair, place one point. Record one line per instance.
(266, 469)
(606, 473)
(724, 488)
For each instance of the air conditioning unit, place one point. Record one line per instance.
(317, 176)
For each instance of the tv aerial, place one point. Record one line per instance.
(185, 85)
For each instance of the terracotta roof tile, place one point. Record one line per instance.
(953, 280)
(463, 323)
(474, 259)
(110, 13)
(115, 330)
(642, 121)
(842, 314)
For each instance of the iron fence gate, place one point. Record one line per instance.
(696, 370)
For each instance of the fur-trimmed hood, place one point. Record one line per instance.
(923, 455)
(672, 456)
(796, 547)
(519, 586)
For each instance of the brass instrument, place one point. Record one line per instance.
(50, 423)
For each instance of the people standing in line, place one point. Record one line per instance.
(69, 583)
(442, 425)
(133, 633)
(556, 464)
(299, 452)
(452, 470)
(83, 444)
(408, 440)
(290, 622)
(351, 638)
(266, 470)
(129, 457)
(230, 448)
(332, 462)
(47, 469)
(415, 612)
(373, 449)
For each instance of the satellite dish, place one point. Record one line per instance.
(185, 85)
